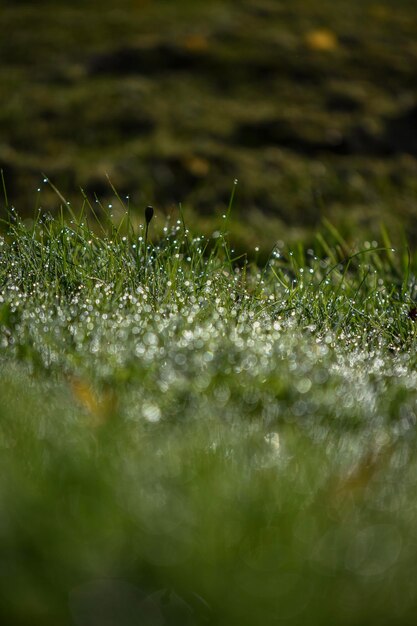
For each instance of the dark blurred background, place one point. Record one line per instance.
(310, 104)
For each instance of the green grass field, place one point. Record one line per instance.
(192, 438)
(311, 105)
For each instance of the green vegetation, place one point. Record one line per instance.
(188, 438)
(199, 423)
(310, 104)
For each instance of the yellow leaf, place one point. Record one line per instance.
(101, 408)
(197, 166)
(195, 43)
(321, 39)
(355, 482)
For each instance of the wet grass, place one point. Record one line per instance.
(189, 438)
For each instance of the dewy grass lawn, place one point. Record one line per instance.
(189, 439)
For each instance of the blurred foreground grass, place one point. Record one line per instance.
(189, 439)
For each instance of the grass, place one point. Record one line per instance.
(309, 123)
(189, 438)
